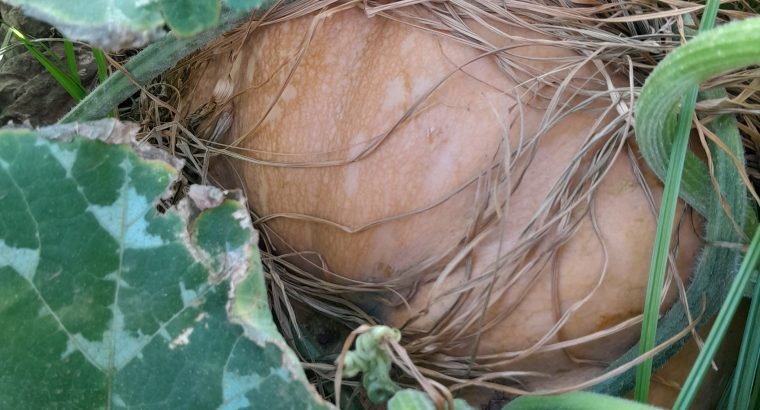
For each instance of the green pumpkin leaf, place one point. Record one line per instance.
(107, 303)
(244, 5)
(118, 24)
(109, 24)
(188, 17)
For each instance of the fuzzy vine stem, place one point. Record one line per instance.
(144, 67)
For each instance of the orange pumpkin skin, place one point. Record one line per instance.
(316, 119)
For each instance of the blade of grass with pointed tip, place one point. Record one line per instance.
(665, 221)
(100, 61)
(53, 56)
(75, 90)
(71, 61)
(662, 249)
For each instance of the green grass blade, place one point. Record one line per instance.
(658, 265)
(709, 16)
(71, 61)
(143, 67)
(6, 38)
(72, 87)
(722, 322)
(662, 245)
(723, 402)
(100, 61)
(754, 402)
(6, 41)
(749, 355)
(53, 56)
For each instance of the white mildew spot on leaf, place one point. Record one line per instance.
(182, 339)
(241, 215)
(125, 345)
(109, 217)
(65, 157)
(70, 348)
(283, 373)
(238, 402)
(114, 276)
(4, 165)
(22, 260)
(136, 235)
(97, 352)
(118, 401)
(187, 295)
(234, 388)
(164, 334)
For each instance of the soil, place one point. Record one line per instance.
(28, 93)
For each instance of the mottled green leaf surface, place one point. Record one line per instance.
(110, 24)
(107, 303)
(117, 24)
(190, 16)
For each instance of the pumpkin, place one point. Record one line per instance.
(380, 156)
